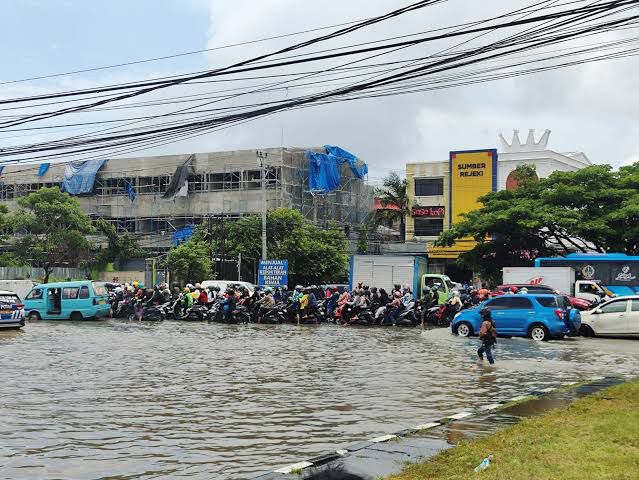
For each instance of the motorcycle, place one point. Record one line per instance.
(409, 317)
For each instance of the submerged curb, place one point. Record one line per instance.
(320, 460)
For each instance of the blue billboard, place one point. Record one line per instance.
(272, 273)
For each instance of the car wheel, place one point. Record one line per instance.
(464, 329)
(34, 316)
(76, 317)
(586, 331)
(539, 333)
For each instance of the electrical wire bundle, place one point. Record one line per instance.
(540, 37)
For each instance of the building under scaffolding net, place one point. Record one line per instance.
(160, 199)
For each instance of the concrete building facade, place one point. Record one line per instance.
(430, 196)
(223, 185)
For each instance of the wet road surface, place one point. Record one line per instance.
(124, 400)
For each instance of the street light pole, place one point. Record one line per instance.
(261, 156)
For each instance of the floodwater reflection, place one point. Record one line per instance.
(174, 400)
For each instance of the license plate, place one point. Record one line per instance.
(101, 302)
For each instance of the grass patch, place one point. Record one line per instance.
(596, 437)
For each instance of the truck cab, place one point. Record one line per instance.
(442, 282)
(592, 291)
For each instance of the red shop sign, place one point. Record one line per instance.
(437, 212)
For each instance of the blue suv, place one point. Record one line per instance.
(539, 317)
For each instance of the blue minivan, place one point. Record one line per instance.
(539, 317)
(67, 301)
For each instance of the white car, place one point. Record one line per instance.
(616, 317)
(224, 283)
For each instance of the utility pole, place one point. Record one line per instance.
(261, 157)
(239, 267)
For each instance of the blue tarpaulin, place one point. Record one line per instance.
(79, 177)
(183, 235)
(130, 191)
(324, 168)
(44, 168)
(1, 168)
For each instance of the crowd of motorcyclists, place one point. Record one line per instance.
(363, 305)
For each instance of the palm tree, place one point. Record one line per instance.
(392, 195)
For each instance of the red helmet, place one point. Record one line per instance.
(514, 289)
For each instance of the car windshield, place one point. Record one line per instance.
(100, 289)
(9, 299)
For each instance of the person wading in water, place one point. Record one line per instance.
(487, 335)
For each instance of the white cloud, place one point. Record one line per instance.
(589, 108)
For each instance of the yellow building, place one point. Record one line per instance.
(439, 192)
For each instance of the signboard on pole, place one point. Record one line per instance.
(272, 273)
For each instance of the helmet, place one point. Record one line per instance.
(216, 288)
(186, 290)
(135, 284)
(523, 290)
(313, 287)
(433, 288)
(198, 286)
(284, 288)
(307, 290)
(365, 287)
(190, 286)
(268, 290)
(374, 290)
(456, 293)
(557, 292)
(514, 289)
(141, 285)
(229, 291)
(485, 313)
(298, 288)
(382, 291)
(117, 289)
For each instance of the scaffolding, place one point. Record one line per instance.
(128, 193)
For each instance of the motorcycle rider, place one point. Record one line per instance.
(229, 304)
(265, 303)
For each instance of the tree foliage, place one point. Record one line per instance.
(314, 255)
(120, 246)
(190, 262)
(394, 200)
(52, 228)
(362, 240)
(592, 209)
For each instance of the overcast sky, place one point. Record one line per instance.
(592, 108)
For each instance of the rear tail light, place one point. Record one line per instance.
(19, 306)
(560, 314)
(95, 301)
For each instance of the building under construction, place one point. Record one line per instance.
(144, 195)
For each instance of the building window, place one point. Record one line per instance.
(427, 187)
(197, 183)
(428, 227)
(6, 191)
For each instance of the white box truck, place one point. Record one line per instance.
(559, 278)
(384, 271)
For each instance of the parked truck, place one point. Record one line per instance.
(614, 272)
(559, 278)
(385, 271)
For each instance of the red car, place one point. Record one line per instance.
(578, 303)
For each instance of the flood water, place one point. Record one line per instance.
(121, 400)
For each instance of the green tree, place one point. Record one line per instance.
(120, 246)
(314, 255)
(392, 195)
(189, 262)
(362, 240)
(592, 209)
(52, 230)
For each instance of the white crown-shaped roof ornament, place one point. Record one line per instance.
(530, 146)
